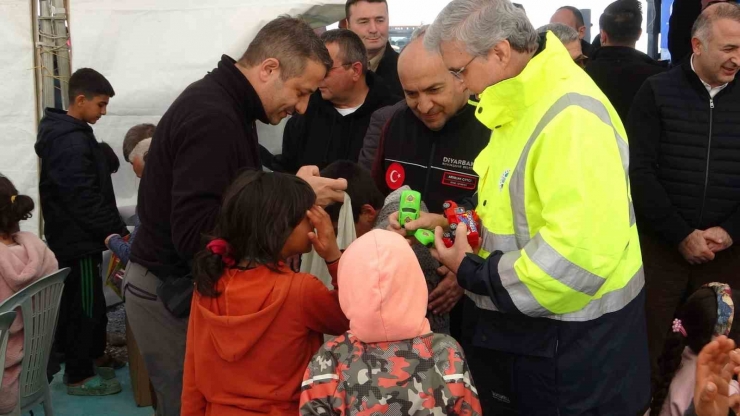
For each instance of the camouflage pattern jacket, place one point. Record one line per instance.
(427, 375)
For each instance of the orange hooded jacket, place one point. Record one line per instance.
(247, 349)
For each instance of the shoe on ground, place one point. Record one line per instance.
(95, 386)
(106, 373)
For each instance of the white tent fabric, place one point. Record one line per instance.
(150, 50)
(17, 101)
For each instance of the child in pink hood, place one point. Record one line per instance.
(389, 362)
(24, 258)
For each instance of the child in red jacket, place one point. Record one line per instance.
(254, 323)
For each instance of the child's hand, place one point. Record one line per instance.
(425, 221)
(323, 239)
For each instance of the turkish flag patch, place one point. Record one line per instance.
(395, 176)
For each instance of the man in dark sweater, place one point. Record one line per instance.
(617, 67)
(202, 142)
(684, 133)
(338, 114)
(79, 210)
(369, 20)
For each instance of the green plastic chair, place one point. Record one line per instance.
(6, 319)
(39, 304)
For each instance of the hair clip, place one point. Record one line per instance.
(678, 327)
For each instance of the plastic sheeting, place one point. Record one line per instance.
(17, 102)
(151, 50)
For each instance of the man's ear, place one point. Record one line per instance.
(80, 99)
(501, 52)
(368, 213)
(696, 46)
(269, 68)
(356, 71)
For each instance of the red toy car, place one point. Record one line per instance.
(456, 215)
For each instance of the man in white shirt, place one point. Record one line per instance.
(334, 125)
(684, 135)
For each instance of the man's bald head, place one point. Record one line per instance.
(570, 16)
(432, 92)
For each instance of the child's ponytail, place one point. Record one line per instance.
(14, 208)
(209, 265)
(668, 363)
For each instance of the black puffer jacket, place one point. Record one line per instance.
(685, 156)
(76, 190)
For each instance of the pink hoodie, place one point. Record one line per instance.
(20, 265)
(389, 302)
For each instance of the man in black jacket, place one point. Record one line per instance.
(571, 16)
(202, 142)
(79, 210)
(684, 131)
(369, 20)
(338, 114)
(428, 142)
(617, 67)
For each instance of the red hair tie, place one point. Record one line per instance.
(222, 248)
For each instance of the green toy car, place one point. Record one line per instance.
(425, 237)
(409, 208)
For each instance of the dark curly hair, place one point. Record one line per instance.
(698, 316)
(258, 214)
(14, 208)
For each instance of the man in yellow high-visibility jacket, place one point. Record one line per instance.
(556, 291)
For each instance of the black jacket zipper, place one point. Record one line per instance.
(429, 169)
(709, 153)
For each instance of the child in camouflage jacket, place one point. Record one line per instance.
(389, 362)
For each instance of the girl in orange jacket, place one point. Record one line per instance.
(254, 323)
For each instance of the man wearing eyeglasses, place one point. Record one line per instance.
(569, 38)
(554, 290)
(337, 117)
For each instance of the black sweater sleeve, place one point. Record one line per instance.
(651, 200)
(207, 161)
(294, 138)
(72, 168)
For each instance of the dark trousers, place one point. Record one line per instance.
(525, 366)
(81, 329)
(670, 279)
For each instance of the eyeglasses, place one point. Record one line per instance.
(458, 74)
(339, 66)
(581, 60)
